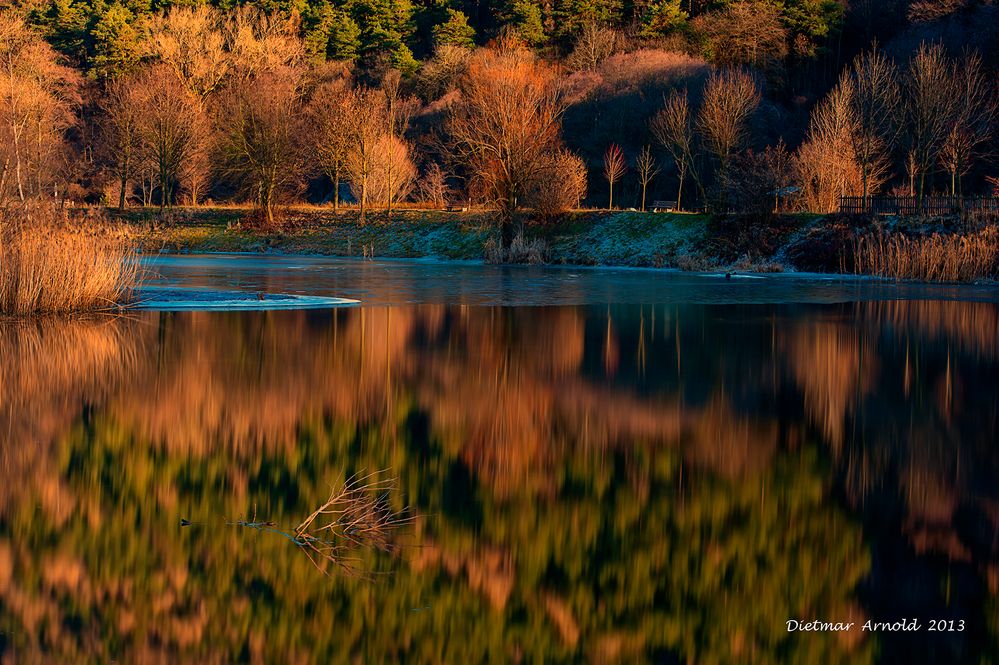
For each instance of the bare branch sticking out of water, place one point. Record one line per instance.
(358, 514)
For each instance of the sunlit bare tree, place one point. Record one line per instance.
(121, 108)
(370, 126)
(731, 97)
(647, 169)
(615, 167)
(673, 127)
(505, 127)
(333, 113)
(826, 163)
(169, 126)
(193, 44)
(262, 137)
(37, 99)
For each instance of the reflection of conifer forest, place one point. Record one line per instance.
(591, 484)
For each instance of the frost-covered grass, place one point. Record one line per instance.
(625, 238)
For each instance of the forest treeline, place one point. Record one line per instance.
(753, 105)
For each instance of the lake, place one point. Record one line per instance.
(595, 465)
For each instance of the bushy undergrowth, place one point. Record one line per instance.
(936, 257)
(51, 263)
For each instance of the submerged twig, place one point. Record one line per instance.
(357, 514)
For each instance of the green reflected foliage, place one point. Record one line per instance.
(633, 557)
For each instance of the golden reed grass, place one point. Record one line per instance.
(934, 258)
(52, 263)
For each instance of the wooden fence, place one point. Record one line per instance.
(908, 206)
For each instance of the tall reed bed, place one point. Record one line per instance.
(935, 258)
(52, 263)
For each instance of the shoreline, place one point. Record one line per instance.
(684, 242)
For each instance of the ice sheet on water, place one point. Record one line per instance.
(176, 299)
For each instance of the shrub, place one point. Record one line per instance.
(49, 263)
(561, 188)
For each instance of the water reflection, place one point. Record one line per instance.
(592, 483)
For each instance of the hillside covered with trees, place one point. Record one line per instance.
(530, 109)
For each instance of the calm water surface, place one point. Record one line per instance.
(616, 473)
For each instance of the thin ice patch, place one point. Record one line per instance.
(178, 299)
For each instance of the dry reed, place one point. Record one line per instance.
(934, 258)
(51, 263)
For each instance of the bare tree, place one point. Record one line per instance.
(974, 116)
(930, 110)
(196, 169)
(261, 137)
(826, 162)
(167, 126)
(876, 105)
(433, 187)
(260, 41)
(615, 167)
(37, 96)
(370, 126)
(398, 110)
(121, 108)
(930, 11)
(594, 45)
(757, 181)
(673, 127)
(505, 127)
(193, 44)
(647, 169)
(393, 172)
(731, 97)
(333, 114)
(745, 33)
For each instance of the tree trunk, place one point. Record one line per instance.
(390, 199)
(643, 197)
(163, 188)
(506, 233)
(679, 190)
(610, 203)
(921, 192)
(364, 196)
(121, 194)
(864, 178)
(507, 214)
(336, 189)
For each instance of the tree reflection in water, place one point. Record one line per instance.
(590, 483)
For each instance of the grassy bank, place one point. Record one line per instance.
(806, 242)
(586, 238)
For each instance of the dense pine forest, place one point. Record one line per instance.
(517, 105)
